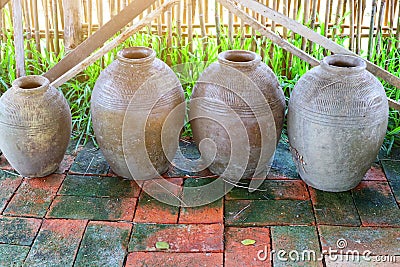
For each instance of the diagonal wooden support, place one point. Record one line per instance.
(95, 41)
(114, 43)
(318, 39)
(3, 3)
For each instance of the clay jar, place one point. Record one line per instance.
(338, 115)
(238, 105)
(35, 126)
(131, 101)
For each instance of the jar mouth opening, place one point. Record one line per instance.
(347, 62)
(239, 58)
(136, 54)
(31, 83)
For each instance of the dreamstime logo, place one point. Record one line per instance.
(340, 253)
(142, 115)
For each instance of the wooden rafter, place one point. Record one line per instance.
(130, 12)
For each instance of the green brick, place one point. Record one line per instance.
(301, 239)
(104, 244)
(8, 184)
(334, 208)
(18, 231)
(268, 212)
(12, 255)
(96, 186)
(91, 208)
(376, 204)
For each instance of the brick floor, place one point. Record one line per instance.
(84, 215)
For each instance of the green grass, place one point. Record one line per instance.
(78, 91)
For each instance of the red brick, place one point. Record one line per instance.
(272, 190)
(211, 213)
(237, 254)
(150, 210)
(57, 243)
(139, 259)
(66, 164)
(4, 165)
(375, 173)
(34, 196)
(180, 237)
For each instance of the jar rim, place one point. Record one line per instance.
(239, 58)
(31, 83)
(136, 55)
(343, 63)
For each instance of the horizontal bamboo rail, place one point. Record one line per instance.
(356, 24)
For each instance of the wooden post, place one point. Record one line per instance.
(72, 24)
(19, 38)
(56, 30)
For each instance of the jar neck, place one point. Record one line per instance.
(137, 55)
(343, 65)
(239, 59)
(34, 84)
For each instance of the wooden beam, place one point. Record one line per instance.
(95, 41)
(319, 39)
(114, 43)
(3, 3)
(18, 38)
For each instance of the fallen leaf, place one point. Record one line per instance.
(162, 245)
(248, 242)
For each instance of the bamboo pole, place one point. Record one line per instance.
(337, 19)
(203, 29)
(359, 22)
(327, 17)
(312, 24)
(190, 23)
(169, 38)
(159, 22)
(90, 17)
(112, 44)
(28, 30)
(100, 17)
(18, 38)
(315, 37)
(379, 29)
(218, 26)
(61, 8)
(56, 30)
(230, 28)
(398, 29)
(305, 22)
(179, 30)
(351, 46)
(371, 29)
(36, 25)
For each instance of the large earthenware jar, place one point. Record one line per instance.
(35, 126)
(136, 88)
(338, 114)
(238, 98)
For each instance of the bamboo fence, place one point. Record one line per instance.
(365, 25)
